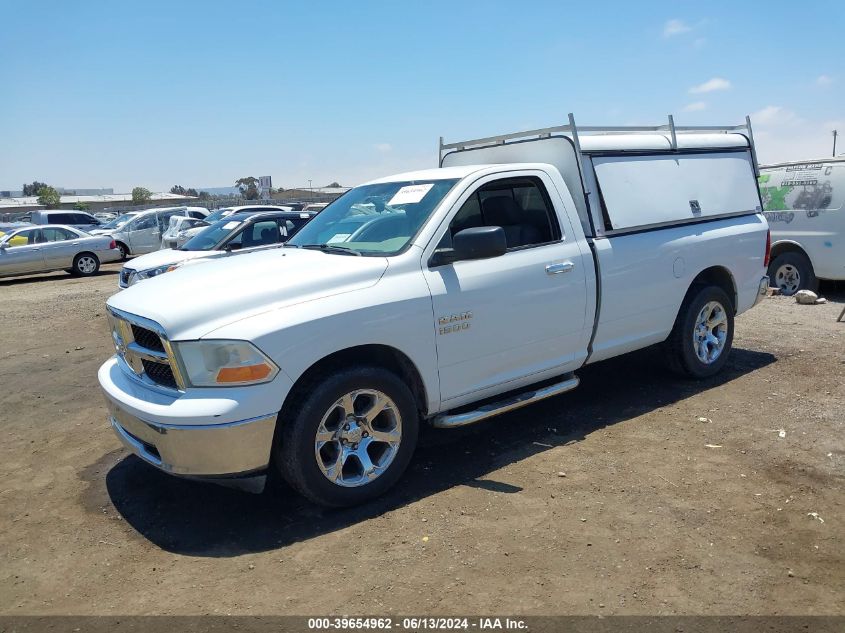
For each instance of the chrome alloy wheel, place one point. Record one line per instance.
(358, 438)
(710, 332)
(86, 264)
(788, 279)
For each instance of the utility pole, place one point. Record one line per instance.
(311, 189)
(835, 134)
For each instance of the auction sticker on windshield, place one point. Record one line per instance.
(410, 194)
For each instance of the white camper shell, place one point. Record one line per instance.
(626, 179)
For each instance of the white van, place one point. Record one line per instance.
(803, 203)
(140, 232)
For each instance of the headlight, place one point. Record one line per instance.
(224, 363)
(151, 272)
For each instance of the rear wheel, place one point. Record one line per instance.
(792, 272)
(702, 337)
(349, 438)
(85, 265)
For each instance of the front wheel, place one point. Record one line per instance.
(349, 438)
(703, 334)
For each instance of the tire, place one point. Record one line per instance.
(85, 265)
(791, 272)
(688, 343)
(309, 465)
(124, 251)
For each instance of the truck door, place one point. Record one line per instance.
(511, 320)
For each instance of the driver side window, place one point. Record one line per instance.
(24, 238)
(521, 206)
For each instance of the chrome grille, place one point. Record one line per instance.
(159, 373)
(145, 350)
(147, 338)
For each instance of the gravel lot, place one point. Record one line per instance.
(638, 493)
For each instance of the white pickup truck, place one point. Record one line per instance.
(444, 296)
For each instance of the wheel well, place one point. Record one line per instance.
(78, 255)
(384, 356)
(123, 244)
(785, 247)
(717, 276)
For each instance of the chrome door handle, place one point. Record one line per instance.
(562, 267)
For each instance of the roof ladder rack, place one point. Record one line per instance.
(573, 131)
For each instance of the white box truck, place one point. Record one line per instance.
(443, 296)
(803, 203)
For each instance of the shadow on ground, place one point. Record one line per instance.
(51, 276)
(203, 519)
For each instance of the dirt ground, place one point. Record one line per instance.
(718, 497)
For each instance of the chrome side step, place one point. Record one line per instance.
(447, 421)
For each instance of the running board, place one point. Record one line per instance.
(446, 421)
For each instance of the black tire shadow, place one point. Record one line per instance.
(202, 519)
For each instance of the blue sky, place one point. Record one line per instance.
(123, 94)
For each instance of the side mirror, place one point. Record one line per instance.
(480, 242)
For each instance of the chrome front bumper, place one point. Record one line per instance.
(209, 451)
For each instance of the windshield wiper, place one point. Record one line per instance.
(332, 248)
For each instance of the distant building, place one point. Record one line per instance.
(63, 191)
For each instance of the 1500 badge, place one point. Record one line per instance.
(454, 322)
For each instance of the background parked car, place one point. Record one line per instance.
(178, 225)
(54, 247)
(224, 212)
(76, 219)
(240, 232)
(804, 203)
(140, 232)
(315, 207)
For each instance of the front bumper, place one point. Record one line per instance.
(211, 433)
(217, 450)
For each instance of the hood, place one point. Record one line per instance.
(166, 256)
(193, 301)
(101, 231)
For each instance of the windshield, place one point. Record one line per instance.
(377, 219)
(211, 236)
(118, 222)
